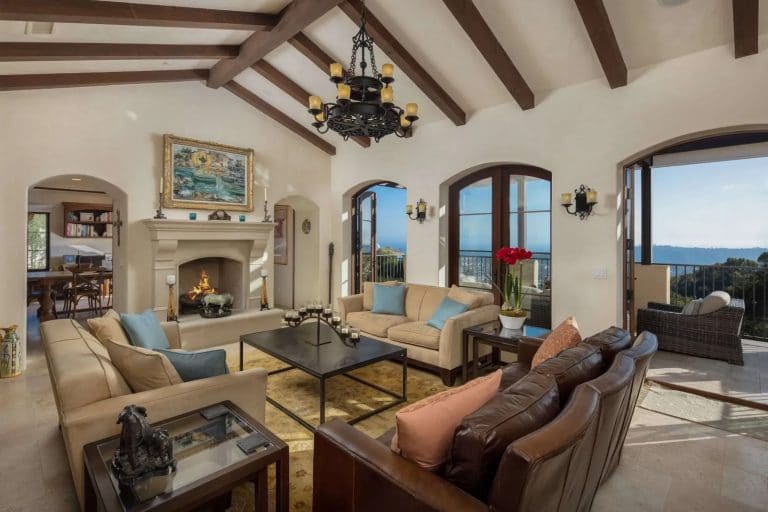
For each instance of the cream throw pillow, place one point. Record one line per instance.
(108, 327)
(143, 369)
(565, 335)
(473, 300)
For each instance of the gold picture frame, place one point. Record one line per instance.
(199, 175)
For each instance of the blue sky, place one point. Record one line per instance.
(391, 222)
(719, 204)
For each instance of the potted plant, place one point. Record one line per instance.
(512, 314)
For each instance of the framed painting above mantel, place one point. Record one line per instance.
(206, 176)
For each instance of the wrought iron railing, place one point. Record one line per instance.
(389, 267)
(478, 269)
(749, 283)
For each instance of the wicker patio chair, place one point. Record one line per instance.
(715, 335)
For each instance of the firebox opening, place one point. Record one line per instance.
(206, 276)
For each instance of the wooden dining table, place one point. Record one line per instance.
(48, 278)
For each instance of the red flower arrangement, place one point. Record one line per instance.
(511, 287)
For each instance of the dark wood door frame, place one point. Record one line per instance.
(500, 175)
(357, 240)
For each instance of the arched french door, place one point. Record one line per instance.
(379, 234)
(506, 205)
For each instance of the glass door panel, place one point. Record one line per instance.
(365, 254)
(476, 234)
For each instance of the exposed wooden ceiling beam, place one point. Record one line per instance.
(123, 13)
(293, 90)
(481, 34)
(745, 27)
(267, 109)
(293, 19)
(390, 45)
(314, 53)
(600, 31)
(58, 80)
(110, 51)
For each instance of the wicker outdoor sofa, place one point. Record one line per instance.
(715, 335)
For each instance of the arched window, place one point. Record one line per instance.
(379, 228)
(507, 205)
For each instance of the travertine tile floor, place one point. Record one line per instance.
(668, 465)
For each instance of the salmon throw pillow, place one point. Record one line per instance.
(565, 335)
(425, 429)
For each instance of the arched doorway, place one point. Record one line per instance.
(297, 276)
(682, 184)
(502, 205)
(379, 232)
(76, 219)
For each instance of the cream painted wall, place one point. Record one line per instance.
(115, 133)
(580, 133)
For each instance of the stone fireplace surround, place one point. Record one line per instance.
(176, 242)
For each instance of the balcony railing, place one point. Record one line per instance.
(688, 282)
(389, 267)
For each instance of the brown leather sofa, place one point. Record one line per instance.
(556, 467)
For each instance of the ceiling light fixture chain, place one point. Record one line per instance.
(364, 104)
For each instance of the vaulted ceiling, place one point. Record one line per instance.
(453, 57)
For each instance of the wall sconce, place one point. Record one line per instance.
(421, 211)
(585, 198)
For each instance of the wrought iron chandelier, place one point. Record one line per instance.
(364, 104)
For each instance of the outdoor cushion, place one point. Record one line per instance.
(108, 326)
(197, 365)
(373, 323)
(448, 308)
(144, 330)
(713, 302)
(562, 337)
(482, 436)
(143, 369)
(388, 300)
(425, 428)
(415, 333)
(692, 308)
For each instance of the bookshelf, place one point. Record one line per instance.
(86, 220)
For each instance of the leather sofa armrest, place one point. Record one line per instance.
(171, 330)
(350, 304)
(83, 425)
(355, 473)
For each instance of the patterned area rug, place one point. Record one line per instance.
(346, 399)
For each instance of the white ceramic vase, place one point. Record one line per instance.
(512, 322)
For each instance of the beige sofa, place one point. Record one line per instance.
(430, 348)
(90, 392)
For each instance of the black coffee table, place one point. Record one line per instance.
(339, 357)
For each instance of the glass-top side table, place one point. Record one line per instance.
(498, 338)
(209, 464)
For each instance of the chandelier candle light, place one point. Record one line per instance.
(512, 314)
(365, 103)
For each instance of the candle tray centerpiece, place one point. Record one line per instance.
(321, 314)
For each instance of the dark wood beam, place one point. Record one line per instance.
(600, 31)
(267, 109)
(293, 90)
(314, 53)
(123, 13)
(293, 20)
(481, 34)
(745, 28)
(58, 80)
(109, 51)
(390, 45)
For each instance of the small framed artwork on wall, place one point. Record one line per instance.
(282, 213)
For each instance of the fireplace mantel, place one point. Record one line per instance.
(176, 241)
(169, 229)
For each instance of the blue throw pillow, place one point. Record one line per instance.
(447, 309)
(144, 330)
(197, 365)
(388, 299)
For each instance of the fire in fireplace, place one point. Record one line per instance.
(192, 301)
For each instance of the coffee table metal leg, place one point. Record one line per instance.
(405, 377)
(475, 356)
(241, 355)
(322, 400)
(464, 357)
